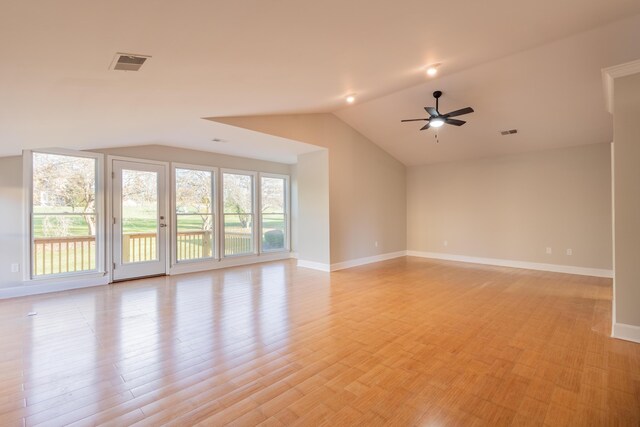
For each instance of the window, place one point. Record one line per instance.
(195, 217)
(273, 213)
(65, 213)
(238, 213)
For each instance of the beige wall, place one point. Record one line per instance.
(508, 208)
(626, 123)
(313, 223)
(366, 185)
(514, 207)
(11, 225)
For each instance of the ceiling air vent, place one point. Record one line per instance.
(128, 61)
(509, 132)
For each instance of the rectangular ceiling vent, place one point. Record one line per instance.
(128, 61)
(509, 132)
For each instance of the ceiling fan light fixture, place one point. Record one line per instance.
(436, 122)
(436, 119)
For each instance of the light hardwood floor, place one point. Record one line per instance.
(402, 342)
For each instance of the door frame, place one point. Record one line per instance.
(109, 209)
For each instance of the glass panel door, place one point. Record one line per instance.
(139, 216)
(139, 219)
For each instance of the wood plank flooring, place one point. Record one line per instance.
(402, 342)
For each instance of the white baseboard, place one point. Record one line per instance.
(195, 267)
(53, 286)
(367, 260)
(626, 332)
(314, 265)
(622, 331)
(570, 269)
(350, 263)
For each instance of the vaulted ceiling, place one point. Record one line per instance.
(519, 64)
(552, 95)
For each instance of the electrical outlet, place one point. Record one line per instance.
(569, 251)
(15, 267)
(549, 251)
(446, 243)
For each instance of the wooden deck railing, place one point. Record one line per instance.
(138, 247)
(53, 255)
(194, 245)
(237, 243)
(190, 245)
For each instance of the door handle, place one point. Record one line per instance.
(163, 225)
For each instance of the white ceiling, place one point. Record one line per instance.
(225, 58)
(553, 96)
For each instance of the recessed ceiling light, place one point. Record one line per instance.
(351, 99)
(432, 70)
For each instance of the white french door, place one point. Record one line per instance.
(139, 219)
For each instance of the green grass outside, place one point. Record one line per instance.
(78, 226)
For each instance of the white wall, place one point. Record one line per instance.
(626, 119)
(514, 207)
(11, 225)
(313, 224)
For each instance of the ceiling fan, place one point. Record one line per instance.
(436, 119)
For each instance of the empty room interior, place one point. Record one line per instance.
(329, 213)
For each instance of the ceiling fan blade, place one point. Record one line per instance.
(412, 120)
(425, 127)
(459, 112)
(455, 122)
(432, 111)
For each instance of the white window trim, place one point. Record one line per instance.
(27, 179)
(287, 211)
(254, 202)
(174, 217)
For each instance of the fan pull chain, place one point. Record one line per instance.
(436, 137)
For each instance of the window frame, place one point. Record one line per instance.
(287, 212)
(254, 206)
(101, 238)
(174, 215)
